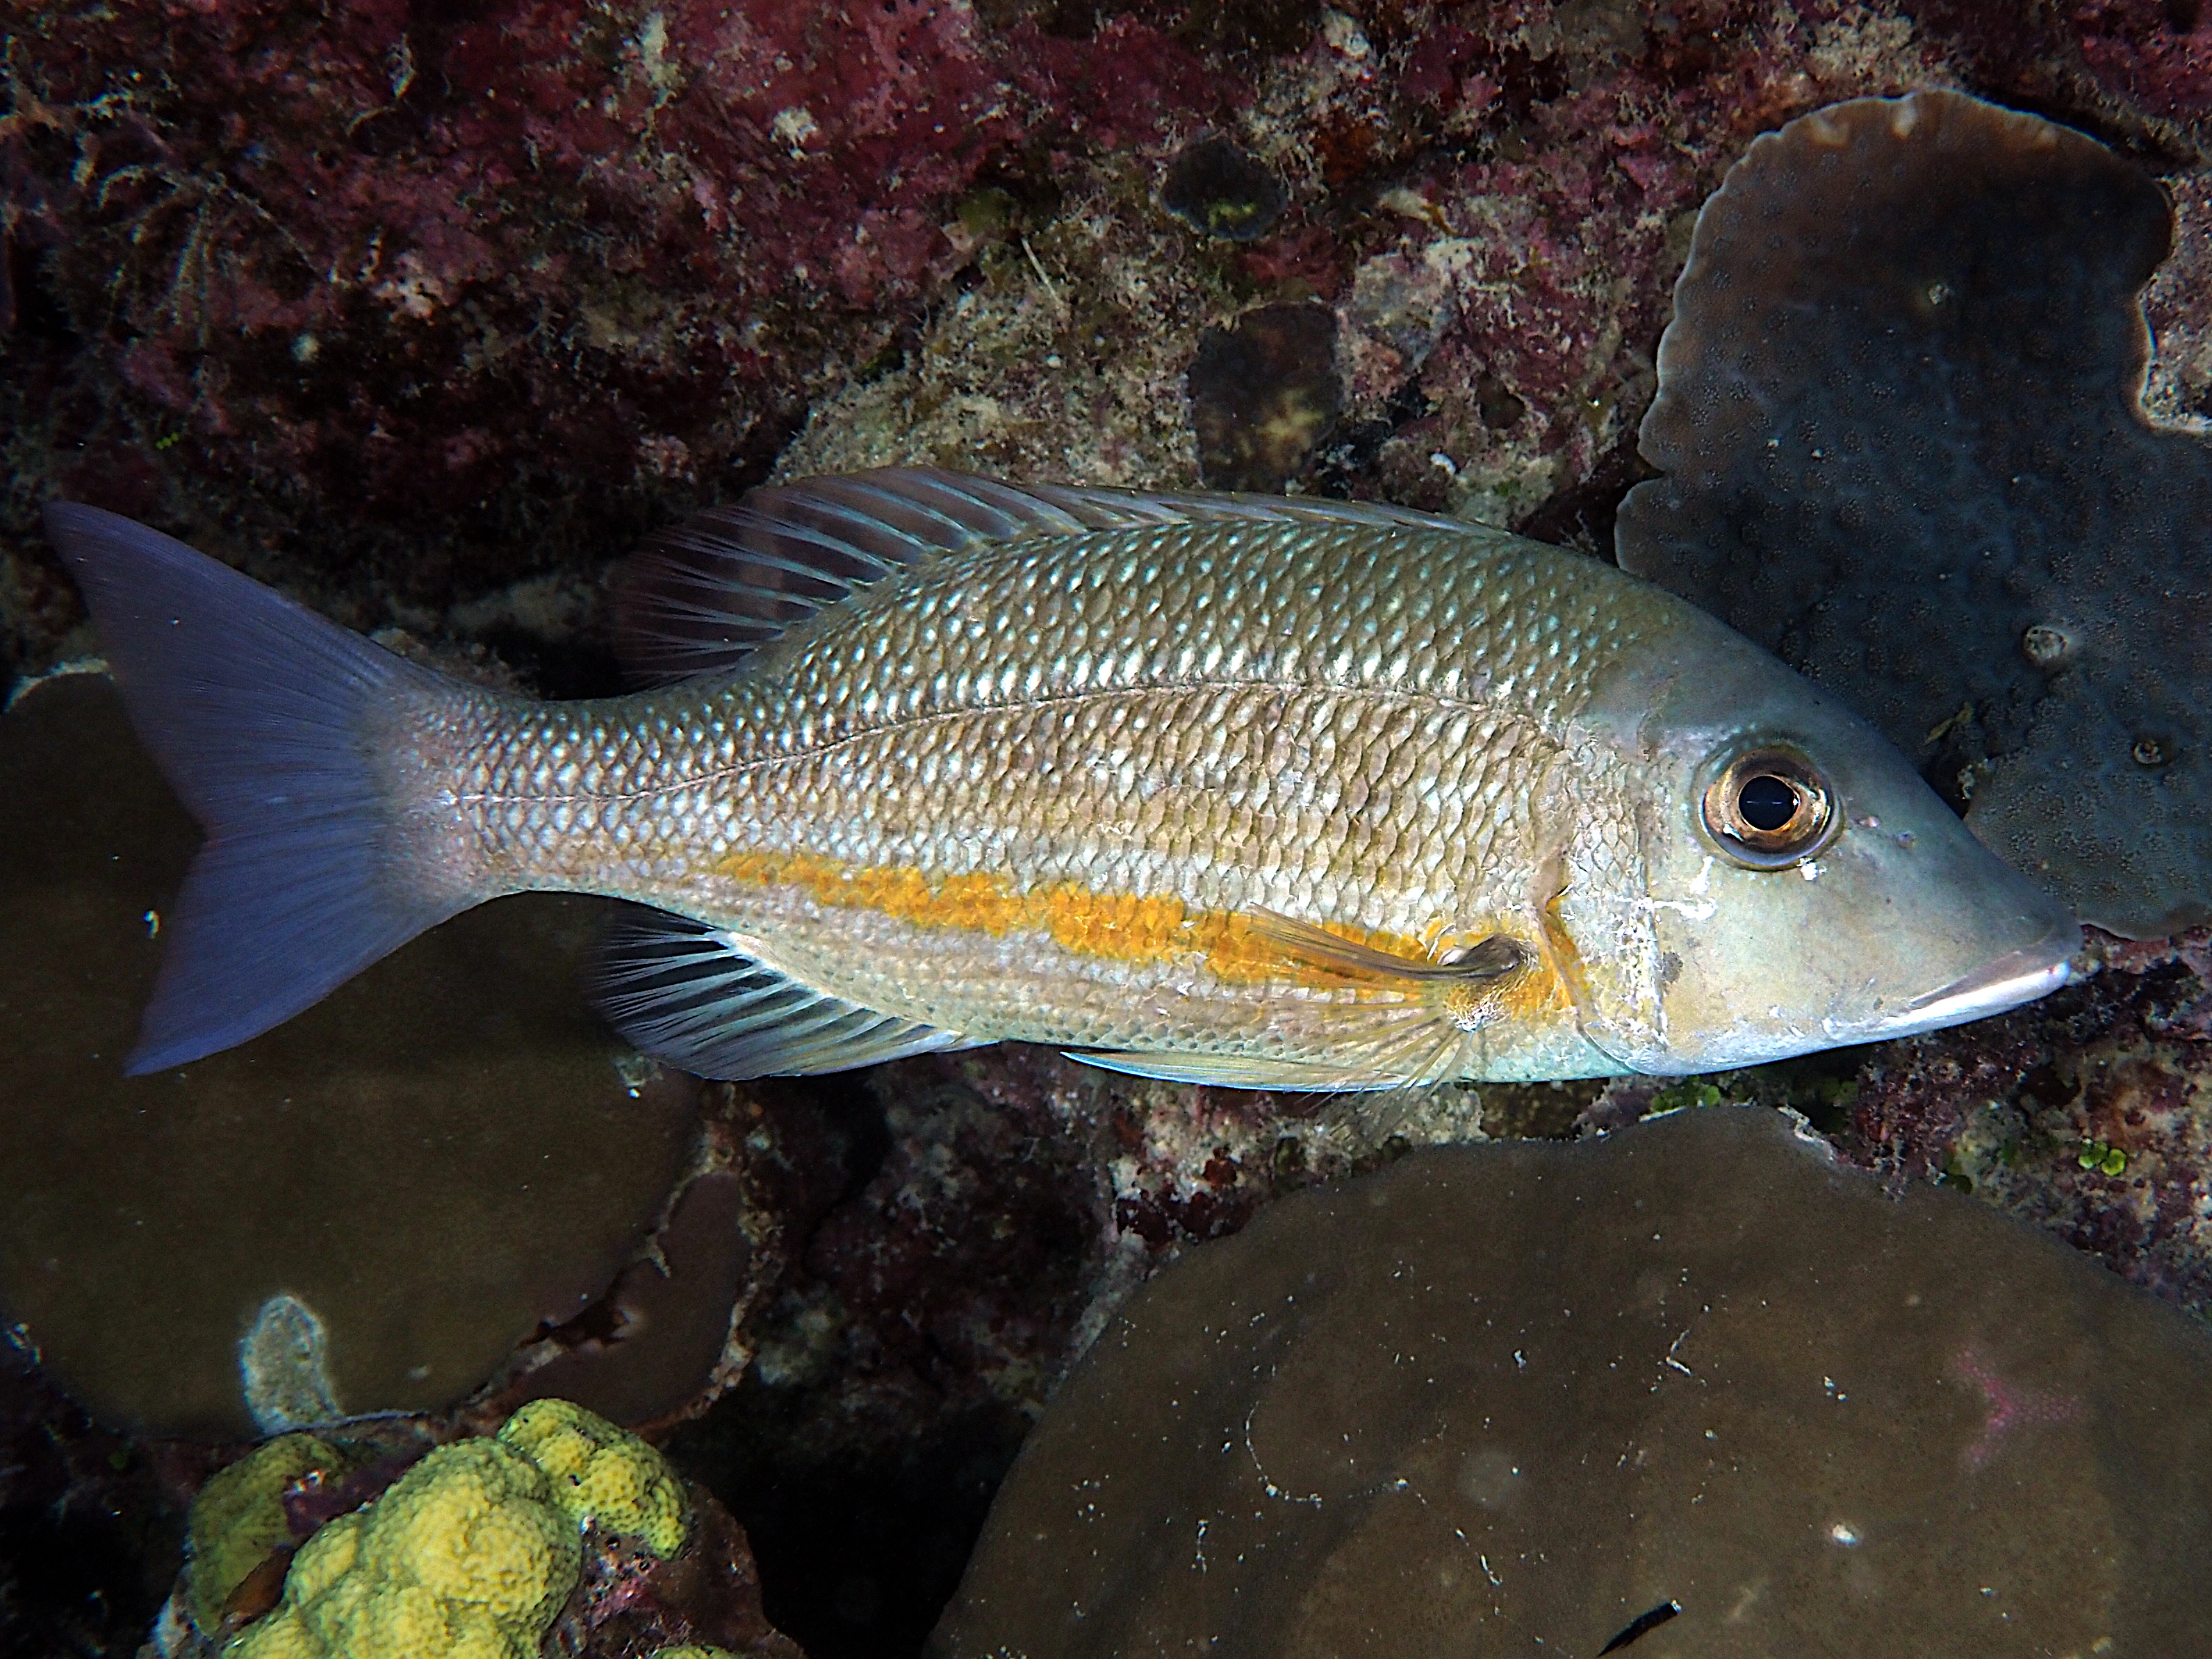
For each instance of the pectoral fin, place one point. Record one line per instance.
(1411, 1036)
(1487, 958)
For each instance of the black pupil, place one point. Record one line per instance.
(1766, 802)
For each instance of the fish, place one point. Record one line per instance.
(1258, 791)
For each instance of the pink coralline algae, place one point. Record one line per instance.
(2011, 1407)
(436, 265)
(510, 283)
(2084, 1113)
(2159, 50)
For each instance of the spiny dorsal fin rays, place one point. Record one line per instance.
(703, 596)
(1489, 958)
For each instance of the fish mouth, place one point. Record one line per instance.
(2018, 976)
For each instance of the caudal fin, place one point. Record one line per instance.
(264, 718)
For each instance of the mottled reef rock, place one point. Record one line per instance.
(2086, 1113)
(425, 314)
(511, 284)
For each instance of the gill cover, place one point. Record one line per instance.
(1804, 887)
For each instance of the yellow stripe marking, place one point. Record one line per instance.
(1138, 928)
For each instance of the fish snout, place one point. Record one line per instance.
(2017, 976)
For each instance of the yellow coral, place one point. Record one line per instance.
(472, 1552)
(238, 1517)
(693, 1650)
(601, 1476)
(467, 1557)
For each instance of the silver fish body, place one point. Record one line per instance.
(1237, 790)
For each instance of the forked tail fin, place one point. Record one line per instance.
(266, 719)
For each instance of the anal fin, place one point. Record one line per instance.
(1237, 1072)
(691, 995)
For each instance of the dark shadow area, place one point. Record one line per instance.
(88, 1546)
(859, 1553)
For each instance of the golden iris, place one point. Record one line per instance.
(1769, 808)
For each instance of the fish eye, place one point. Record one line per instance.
(1769, 808)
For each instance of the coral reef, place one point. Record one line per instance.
(1536, 1394)
(426, 317)
(238, 1525)
(560, 1529)
(957, 1229)
(646, 1350)
(466, 1555)
(522, 276)
(1262, 394)
(601, 1476)
(631, 1601)
(927, 1255)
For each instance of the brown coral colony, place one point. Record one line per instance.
(1898, 411)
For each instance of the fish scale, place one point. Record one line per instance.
(1322, 762)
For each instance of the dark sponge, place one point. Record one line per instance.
(1263, 394)
(1898, 411)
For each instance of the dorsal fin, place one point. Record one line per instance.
(700, 598)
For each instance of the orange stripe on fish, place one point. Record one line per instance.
(1140, 929)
